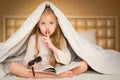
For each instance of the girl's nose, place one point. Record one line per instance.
(47, 26)
(47, 29)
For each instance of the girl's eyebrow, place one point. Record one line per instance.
(41, 21)
(48, 20)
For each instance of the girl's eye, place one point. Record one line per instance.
(42, 22)
(51, 22)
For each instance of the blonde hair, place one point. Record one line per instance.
(56, 37)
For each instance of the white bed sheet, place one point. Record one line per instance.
(89, 75)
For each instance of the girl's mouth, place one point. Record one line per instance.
(47, 32)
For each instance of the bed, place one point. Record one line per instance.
(101, 30)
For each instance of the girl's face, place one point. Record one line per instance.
(47, 24)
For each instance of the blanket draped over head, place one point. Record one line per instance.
(103, 61)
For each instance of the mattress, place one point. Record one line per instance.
(89, 75)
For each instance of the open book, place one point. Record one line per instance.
(57, 70)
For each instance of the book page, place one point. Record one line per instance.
(60, 69)
(67, 67)
(46, 69)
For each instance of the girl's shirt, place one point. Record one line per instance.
(63, 55)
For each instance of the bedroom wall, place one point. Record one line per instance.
(68, 7)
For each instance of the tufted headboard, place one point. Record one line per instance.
(105, 27)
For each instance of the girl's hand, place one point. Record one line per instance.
(36, 66)
(49, 43)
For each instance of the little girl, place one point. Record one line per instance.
(48, 42)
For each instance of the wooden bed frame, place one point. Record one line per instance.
(106, 28)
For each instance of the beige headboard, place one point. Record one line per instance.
(105, 26)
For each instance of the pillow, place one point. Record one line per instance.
(89, 35)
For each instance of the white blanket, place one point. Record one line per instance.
(103, 61)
